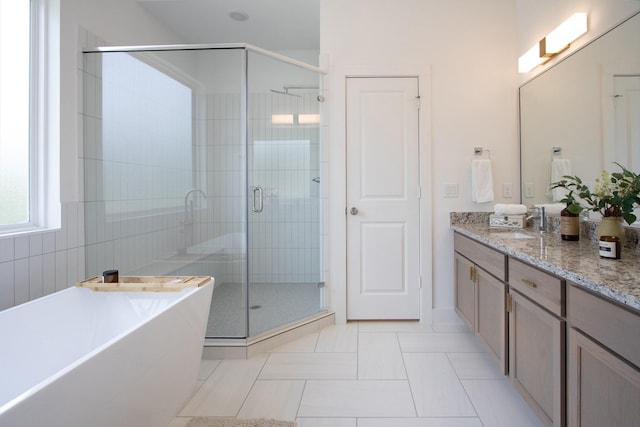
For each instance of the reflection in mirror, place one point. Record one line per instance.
(582, 114)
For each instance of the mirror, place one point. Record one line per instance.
(585, 110)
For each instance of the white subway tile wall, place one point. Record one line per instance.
(35, 265)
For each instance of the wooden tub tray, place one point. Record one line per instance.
(145, 283)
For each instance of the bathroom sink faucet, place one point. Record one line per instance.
(541, 215)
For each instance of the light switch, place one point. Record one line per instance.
(450, 190)
(529, 190)
(507, 190)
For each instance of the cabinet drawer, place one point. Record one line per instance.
(608, 323)
(483, 256)
(543, 288)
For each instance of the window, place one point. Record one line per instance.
(29, 115)
(146, 148)
(14, 113)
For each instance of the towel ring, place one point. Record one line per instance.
(479, 150)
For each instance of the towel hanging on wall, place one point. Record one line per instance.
(481, 181)
(559, 168)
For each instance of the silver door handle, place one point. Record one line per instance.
(354, 211)
(260, 193)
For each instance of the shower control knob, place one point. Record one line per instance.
(354, 211)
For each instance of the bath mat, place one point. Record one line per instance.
(233, 422)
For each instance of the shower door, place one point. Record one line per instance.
(283, 194)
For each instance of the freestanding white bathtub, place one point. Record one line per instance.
(84, 358)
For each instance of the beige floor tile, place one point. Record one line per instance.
(206, 368)
(379, 357)
(451, 327)
(326, 422)
(277, 399)
(475, 366)
(223, 393)
(419, 422)
(499, 405)
(448, 372)
(341, 338)
(305, 344)
(437, 392)
(393, 326)
(439, 342)
(316, 366)
(391, 398)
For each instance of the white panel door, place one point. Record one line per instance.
(383, 196)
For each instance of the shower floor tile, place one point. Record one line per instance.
(270, 305)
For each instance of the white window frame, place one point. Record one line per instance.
(44, 121)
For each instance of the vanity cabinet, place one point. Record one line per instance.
(480, 293)
(572, 353)
(603, 362)
(535, 304)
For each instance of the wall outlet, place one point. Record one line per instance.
(529, 190)
(507, 190)
(450, 190)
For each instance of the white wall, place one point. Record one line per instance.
(468, 51)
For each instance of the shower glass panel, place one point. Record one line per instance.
(284, 188)
(187, 171)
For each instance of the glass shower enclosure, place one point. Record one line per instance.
(205, 160)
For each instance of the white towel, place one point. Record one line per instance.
(481, 181)
(559, 168)
(509, 209)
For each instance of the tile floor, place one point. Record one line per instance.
(365, 374)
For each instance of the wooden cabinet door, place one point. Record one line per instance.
(490, 318)
(465, 290)
(604, 390)
(537, 358)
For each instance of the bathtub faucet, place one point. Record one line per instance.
(189, 219)
(188, 206)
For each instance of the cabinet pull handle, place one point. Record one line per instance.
(529, 283)
(471, 273)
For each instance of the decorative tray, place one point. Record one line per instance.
(145, 283)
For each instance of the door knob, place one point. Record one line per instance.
(354, 211)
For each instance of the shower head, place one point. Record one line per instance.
(285, 92)
(285, 89)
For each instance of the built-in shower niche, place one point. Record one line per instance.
(206, 162)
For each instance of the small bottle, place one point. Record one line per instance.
(110, 276)
(569, 225)
(609, 247)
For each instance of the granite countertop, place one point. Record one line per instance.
(578, 261)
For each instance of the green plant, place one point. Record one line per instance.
(614, 194)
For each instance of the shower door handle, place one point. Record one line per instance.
(259, 192)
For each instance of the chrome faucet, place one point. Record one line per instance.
(188, 208)
(188, 220)
(541, 215)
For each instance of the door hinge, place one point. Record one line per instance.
(418, 98)
(509, 303)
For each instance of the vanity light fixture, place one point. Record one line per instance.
(554, 43)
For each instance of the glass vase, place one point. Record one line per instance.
(611, 226)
